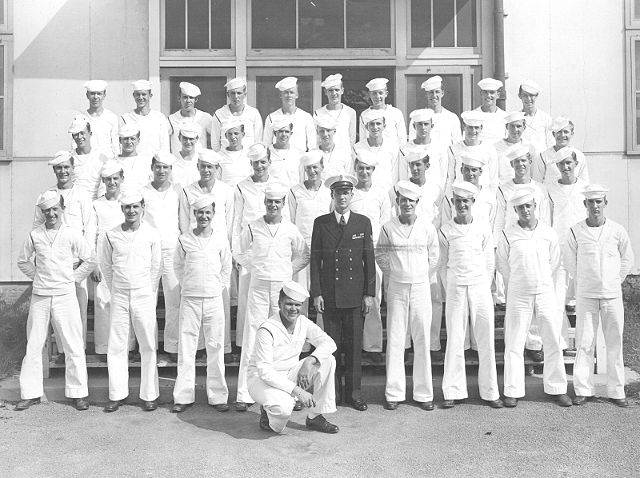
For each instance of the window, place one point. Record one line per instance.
(452, 85)
(6, 42)
(268, 97)
(443, 23)
(210, 81)
(305, 24)
(197, 25)
(2, 98)
(632, 13)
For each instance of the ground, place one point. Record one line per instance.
(537, 438)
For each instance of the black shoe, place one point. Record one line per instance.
(112, 406)
(150, 406)
(264, 421)
(471, 354)
(563, 400)
(82, 404)
(180, 407)
(359, 405)
(428, 406)
(390, 405)
(448, 404)
(501, 307)
(570, 309)
(321, 424)
(495, 403)
(510, 402)
(221, 407)
(200, 354)
(24, 404)
(580, 400)
(619, 402)
(298, 406)
(535, 355)
(241, 406)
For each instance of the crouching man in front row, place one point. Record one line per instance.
(276, 375)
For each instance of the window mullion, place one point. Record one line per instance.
(209, 22)
(344, 24)
(297, 24)
(455, 23)
(433, 40)
(186, 24)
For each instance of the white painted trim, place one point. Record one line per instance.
(5, 152)
(155, 38)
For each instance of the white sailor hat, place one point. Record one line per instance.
(209, 156)
(332, 80)
(48, 199)
(203, 201)
(408, 190)
(370, 114)
(95, 85)
(256, 152)
(295, 291)
(517, 151)
(191, 130)
(78, 123)
(230, 123)
(238, 82)
(472, 118)
(326, 121)
(128, 130)
(421, 115)
(131, 197)
(367, 157)
(275, 191)
(60, 157)
(564, 153)
(490, 84)
(110, 168)
(522, 196)
(413, 156)
(141, 85)
(432, 83)
(311, 157)
(279, 122)
(341, 181)
(165, 157)
(514, 116)
(595, 191)
(559, 123)
(287, 83)
(530, 87)
(473, 160)
(464, 189)
(377, 84)
(189, 89)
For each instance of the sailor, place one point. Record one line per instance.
(86, 161)
(104, 122)
(516, 125)
(185, 169)
(336, 159)
(343, 115)
(136, 167)
(492, 115)
(188, 113)
(396, 130)
(234, 163)
(285, 159)
(423, 143)
(538, 131)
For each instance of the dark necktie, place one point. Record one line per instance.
(342, 222)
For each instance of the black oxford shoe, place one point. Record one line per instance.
(180, 407)
(359, 405)
(390, 405)
(82, 403)
(150, 406)
(321, 424)
(112, 406)
(24, 404)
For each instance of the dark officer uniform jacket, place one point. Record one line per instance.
(342, 261)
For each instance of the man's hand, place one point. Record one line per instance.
(367, 304)
(318, 303)
(304, 397)
(96, 276)
(305, 374)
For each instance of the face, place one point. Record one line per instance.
(488, 97)
(314, 171)
(334, 94)
(112, 183)
(596, 207)
(325, 134)
(53, 215)
(234, 136)
(261, 166)
(521, 165)
(161, 171)
(376, 127)
(378, 97)
(82, 138)
(132, 212)
(283, 135)
(63, 172)
(342, 198)
(528, 100)
(188, 103)
(515, 130)
(289, 308)
(364, 171)
(206, 170)
(204, 216)
(129, 143)
(423, 128)
(567, 167)
(434, 98)
(96, 98)
(289, 96)
(563, 137)
(462, 205)
(142, 98)
(418, 168)
(471, 132)
(470, 173)
(526, 211)
(188, 144)
(407, 206)
(274, 206)
(236, 96)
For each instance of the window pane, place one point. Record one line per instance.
(212, 87)
(174, 24)
(1, 71)
(443, 23)
(320, 24)
(273, 24)
(1, 12)
(198, 24)
(466, 23)
(2, 124)
(368, 24)
(221, 24)
(452, 85)
(636, 9)
(420, 23)
(268, 97)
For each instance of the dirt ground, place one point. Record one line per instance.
(537, 438)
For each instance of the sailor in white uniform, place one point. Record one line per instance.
(185, 170)
(188, 113)
(538, 132)
(343, 115)
(396, 129)
(104, 122)
(136, 167)
(492, 115)
(87, 162)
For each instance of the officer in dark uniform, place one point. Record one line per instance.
(343, 282)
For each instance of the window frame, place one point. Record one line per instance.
(633, 101)
(335, 53)
(6, 41)
(197, 53)
(631, 22)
